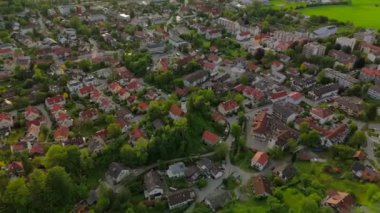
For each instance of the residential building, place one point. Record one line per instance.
(322, 115)
(286, 112)
(295, 98)
(374, 92)
(196, 78)
(364, 172)
(209, 168)
(259, 125)
(368, 36)
(175, 112)
(228, 107)
(260, 160)
(181, 198)
(325, 32)
(55, 100)
(346, 42)
(217, 200)
(153, 185)
(6, 120)
(176, 170)
(313, 49)
(261, 186)
(372, 51)
(325, 91)
(340, 201)
(285, 172)
(300, 84)
(368, 74)
(343, 58)
(116, 173)
(210, 138)
(344, 80)
(352, 105)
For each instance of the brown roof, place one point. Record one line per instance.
(261, 185)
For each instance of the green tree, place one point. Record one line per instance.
(59, 188)
(113, 130)
(37, 186)
(342, 151)
(16, 195)
(221, 151)
(358, 139)
(309, 205)
(235, 130)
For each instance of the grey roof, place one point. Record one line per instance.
(191, 170)
(356, 166)
(158, 123)
(289, 171)
(92, 197)
(181, 196)
(326, 89)
(115, 169)
(152, 181)
(196, 75)
(284, 110)
(177, 168)
(205, 162)
(218, 200)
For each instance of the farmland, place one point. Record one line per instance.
(364, 13)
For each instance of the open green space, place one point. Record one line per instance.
(363, 13)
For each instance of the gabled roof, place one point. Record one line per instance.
(261, 158)
(5, 117)
(229, 105)
(261, 185)
(210, 137)
(175, 110)
(55, 99)
(321, 113)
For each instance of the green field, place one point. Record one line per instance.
(362, 13)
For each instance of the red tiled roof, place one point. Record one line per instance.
(175, 110)
(55, 99)
(259, 122)
(360, 154)
(88, 113)
(210, 137)
(31, 110)
(244, 33)
(278, 95)
(369, 71)
(137, 134)
(322, 113)
(133, 85)
(143, 106)
(181, 91)
(115, 86)
(86, 89)
(261, 158)
(253, 92)
(229, 105)
(5, 116)
(61, 132)
(295, 96)
(15, 166)
(37, 149)
(101, 133)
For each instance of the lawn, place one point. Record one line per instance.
(364, 13)
(251, 206)
(363, 192)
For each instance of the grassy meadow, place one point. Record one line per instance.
(363, 13)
